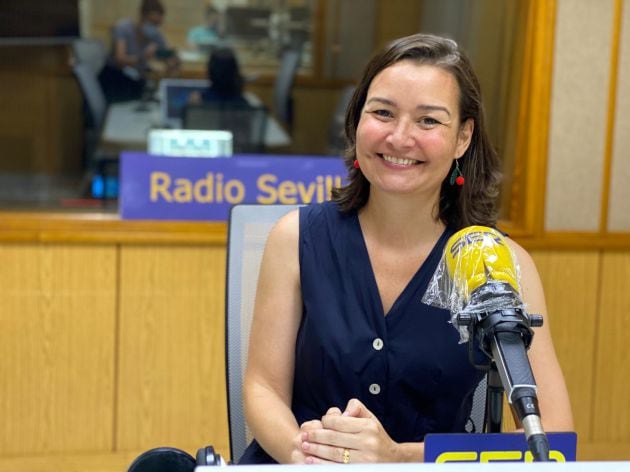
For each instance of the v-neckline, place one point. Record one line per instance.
(371, 276)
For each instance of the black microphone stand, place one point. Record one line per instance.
(504, 335)
(494, 401)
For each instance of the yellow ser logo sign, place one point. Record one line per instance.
(494, 456)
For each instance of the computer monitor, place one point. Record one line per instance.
(174, 95)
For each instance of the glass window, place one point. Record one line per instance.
(51, 130)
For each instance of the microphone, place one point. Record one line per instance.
(477, 280)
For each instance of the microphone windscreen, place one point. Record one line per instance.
(478, 273)
(478, 255)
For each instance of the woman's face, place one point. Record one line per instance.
(409, 131)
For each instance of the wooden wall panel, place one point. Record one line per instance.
(103, 462)
(57, 317)
(171, 361)
(570, 280)
(79, 379)
(611, 415)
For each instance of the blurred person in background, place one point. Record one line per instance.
(226, 81)
(135, 45)
(208, 35)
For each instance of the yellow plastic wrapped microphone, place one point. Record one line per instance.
(478, 273)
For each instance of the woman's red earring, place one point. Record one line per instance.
(356, 164)
(456, 175)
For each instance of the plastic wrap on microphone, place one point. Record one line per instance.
(478, 273)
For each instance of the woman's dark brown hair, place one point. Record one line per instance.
(475, 203)
(224, 73)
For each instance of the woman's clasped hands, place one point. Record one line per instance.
(352, 436)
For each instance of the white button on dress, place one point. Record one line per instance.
(377, 344)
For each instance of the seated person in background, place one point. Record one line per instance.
(134, 45)
(226, 82)
(345, 363)
(208, 35)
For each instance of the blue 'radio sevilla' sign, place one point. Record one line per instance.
(176, 188)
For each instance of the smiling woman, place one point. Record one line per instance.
(341, 348)
(410, 129)
(422, 100)
(141, 276)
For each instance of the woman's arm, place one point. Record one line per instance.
(553, 397)
(269, 375)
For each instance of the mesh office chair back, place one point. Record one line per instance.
(249, 226)
(92, 94)
(96, 158)
(90, 51)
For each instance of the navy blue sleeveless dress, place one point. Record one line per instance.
(406, 367)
